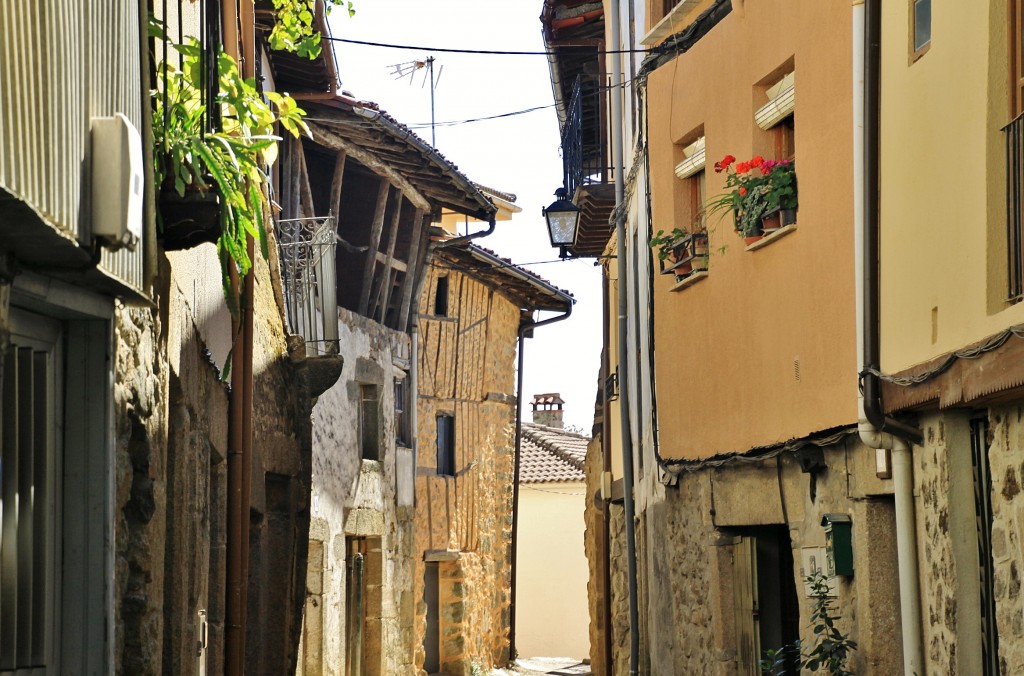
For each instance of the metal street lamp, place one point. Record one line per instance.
(563, 218)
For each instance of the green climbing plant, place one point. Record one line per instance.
(293, 28)
(230, 160)
(830, 650)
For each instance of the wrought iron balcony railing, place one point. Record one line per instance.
(583, 138)
(309, 276)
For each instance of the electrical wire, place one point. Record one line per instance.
(755, 455)
(488, 52)
(993, 343)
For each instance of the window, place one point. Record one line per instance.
(784, 138)
(920, 26)
(441, 297)
(1016, 58)
(445, 445)
(29, 485)
(369, 422)
(403, 437)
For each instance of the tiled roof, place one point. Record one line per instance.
(551, 455)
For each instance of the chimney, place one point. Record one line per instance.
(547, 409)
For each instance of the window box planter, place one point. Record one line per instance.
(777, 219)
(685, 255)
(188, 220)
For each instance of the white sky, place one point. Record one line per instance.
(519, 154)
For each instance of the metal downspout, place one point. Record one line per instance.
(456, 241)
(876, 430)
(620, 235)
(523, 328)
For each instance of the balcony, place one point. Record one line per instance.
(587, 175)
(310, 288)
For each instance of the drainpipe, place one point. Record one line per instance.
(876, 430)
(622, 368)
(524, 327)
(239, 468)
(456, 241)
(414, 397)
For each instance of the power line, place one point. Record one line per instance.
(491, 52)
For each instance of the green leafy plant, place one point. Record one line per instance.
(230, 160)
(293, 28)
(831, 648)
(663, 242)
(755, 188)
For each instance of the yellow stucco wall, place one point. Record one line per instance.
(943, 220)
(551, 574)
(763, 349)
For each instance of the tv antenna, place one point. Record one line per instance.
(400, 71)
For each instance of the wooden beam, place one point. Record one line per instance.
(385, 275)
(374, 244)
(305, 194)
(395, 263)
(339, 174)
(419, 241)
(387, 283)
(336, 141)
(294, 178)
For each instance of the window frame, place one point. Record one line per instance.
(369, 426)
(441, 296)
(445, 442)
(915, 51)
(403, 437)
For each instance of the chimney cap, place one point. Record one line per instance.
(547, 398)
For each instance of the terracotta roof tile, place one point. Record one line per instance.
(551, 455)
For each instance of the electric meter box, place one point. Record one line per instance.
(838, 544)
(117, 181)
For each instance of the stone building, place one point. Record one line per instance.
(358, 201)
(473, 310)
(729, 426)
(155, 508)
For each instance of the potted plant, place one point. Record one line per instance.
(756, 188)
(210, 180)
(779, 194)
(681, 253)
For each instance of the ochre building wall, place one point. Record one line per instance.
(767, 339)
(466, 369)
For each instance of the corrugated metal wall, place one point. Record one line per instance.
(63, 62)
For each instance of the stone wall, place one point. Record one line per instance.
(356, 498)
(688, 540)
(1007, 471)
(171, 421)
(146, 495)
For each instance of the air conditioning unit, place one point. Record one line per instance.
(117, 182)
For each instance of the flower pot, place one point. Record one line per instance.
(699, 263)
(788, 217)
(771, 221)
(750, 239)
(188, 220)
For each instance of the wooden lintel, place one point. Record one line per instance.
(374, 244)
(336, 141)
